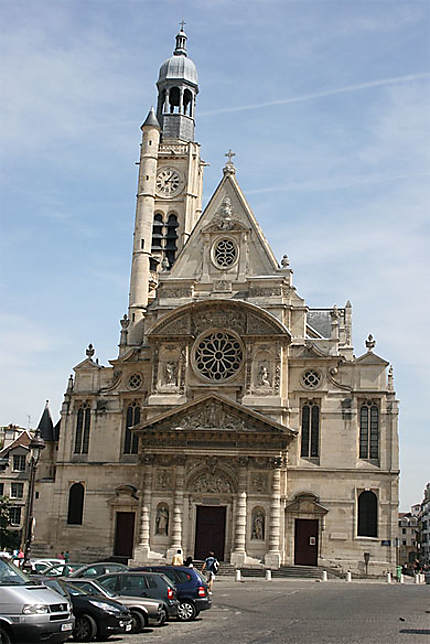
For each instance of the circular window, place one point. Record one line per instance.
(311, 379)
(218, 355)
(224, 253)
(135, 381)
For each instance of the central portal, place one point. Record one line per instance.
(210, 531)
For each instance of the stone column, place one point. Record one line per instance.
(143, 549)
(238, 556)
(273, 556)
(178, 506)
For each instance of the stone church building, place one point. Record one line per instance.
(235, 417)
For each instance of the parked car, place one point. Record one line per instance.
(97, 569)
(63, 569)
(96, 617)
(30, 612)
(192, 589)
(143, 584)
(144, 611)
(38, 566)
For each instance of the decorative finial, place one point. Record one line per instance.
(181, 41)
(181, 24)
(90, 351)
(70, 383)
(46, 404)
(285, 262)
(370, 342)
(124, 322)
(348, 305)
(229, 166)
(165, 264)
(390, 378)
(334, 312)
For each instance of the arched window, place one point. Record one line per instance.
(82, 433)
(76, 504)
(258, 524)
(171, 238)
(157, 232)
(369, 430)
(188, 101)
(310, 430)
(174, 96)
(367, 515)
(131, 441)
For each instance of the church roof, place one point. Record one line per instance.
(46, 426)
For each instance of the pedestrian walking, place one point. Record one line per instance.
(66, 556)
(210, 567)
(189, 562)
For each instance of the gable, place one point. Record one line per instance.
(228, 216)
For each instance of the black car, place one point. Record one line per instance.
(95, 616)
(143, 584)
(192, 589)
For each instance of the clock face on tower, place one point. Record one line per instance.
(169, 182)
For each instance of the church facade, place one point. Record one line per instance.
(235, 418)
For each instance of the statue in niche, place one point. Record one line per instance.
(164, 479)
(170, 373)
(258, 525)
(263, 377)
(162, 521)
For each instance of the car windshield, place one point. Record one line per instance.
(93, 588)
(74, 590)
(10, 575)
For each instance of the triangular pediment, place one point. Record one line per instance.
(227, 213)
(215, 413)
(371, 359)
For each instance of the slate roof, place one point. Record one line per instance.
(46, 426)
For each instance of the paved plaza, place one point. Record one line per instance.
(305, 612)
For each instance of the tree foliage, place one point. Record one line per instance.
(9, 539)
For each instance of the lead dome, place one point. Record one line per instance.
(179, 66)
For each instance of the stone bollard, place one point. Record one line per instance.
(388, 577)
(324, 575)
(402, 579)
(238, 577)
(268, 575)
(348, 576)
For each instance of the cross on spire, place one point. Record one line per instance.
(181, 24)
(230, 156)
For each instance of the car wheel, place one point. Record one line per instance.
(138, 621)
(4, 636)
(163, 617)
(186, 611)
(85, 628)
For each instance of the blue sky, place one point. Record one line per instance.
(326, 105)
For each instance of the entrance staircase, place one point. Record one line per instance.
(294, 572)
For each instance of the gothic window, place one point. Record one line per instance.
(131, 441)
(369, 430)
(311, 379)
(218, 355)
(157, 232)
(258, 524)
(310, 430)
(367, 515)
(224, 253)
(76, 504)
(82, 434)
(171, 238)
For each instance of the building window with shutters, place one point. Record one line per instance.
(367, 514)
(310, 434)
(131, 441)
(82, 433)
(369, 430)
(76, 504)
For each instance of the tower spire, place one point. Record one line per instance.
(181, 41)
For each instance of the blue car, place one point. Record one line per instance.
(192, 589)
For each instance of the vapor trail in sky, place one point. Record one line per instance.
(331, 92)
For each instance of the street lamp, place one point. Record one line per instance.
(37, 444)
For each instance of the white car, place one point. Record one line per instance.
(39, 566)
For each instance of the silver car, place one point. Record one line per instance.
(144, 611)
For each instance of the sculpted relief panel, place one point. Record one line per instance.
(208, 483)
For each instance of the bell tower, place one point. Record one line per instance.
(170, 185)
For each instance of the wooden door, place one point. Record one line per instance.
(210, 531)
(124, 534)
(306, 542)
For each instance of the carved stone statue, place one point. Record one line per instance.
(170, 372)
(258, 520)
(263, 378)
(162, 521)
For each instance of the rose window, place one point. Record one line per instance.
(135, 381)
(225, 253)
(311, 379)
(218, 355)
